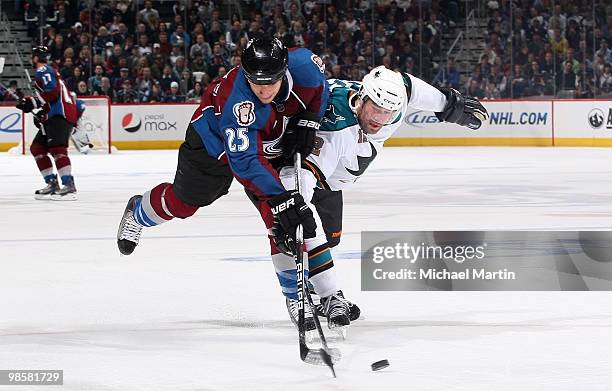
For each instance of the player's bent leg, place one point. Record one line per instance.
(43, 162)
(323, 277)
(333, 305)
(58, 131)
(285, 268)
(200, 179)
(329, 206)
(286, 272)
(154, 207)
(64, 169)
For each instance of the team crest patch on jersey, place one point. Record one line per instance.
(244, 112)
(331, 116)
(272, 149)
(318, 62)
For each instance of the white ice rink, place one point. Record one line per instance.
(197, 306)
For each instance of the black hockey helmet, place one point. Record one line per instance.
(265, 60)
(42, 52)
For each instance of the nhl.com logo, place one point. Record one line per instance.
(597, 118)
(132, 122)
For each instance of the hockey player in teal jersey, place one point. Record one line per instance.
(360, 117)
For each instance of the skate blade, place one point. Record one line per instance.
(339, 332)
(311, 336)
(67, 197)
(42, 197)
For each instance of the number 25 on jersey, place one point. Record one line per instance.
(237, 139)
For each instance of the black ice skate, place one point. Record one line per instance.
(45, 192)
(129, 230)
(354, 311)
(338, 311)
(66, 193)
(292, 308)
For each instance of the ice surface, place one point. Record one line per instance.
(197, 306)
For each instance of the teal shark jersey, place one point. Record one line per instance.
(343, 150)
(340, 112)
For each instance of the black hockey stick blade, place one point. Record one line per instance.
(320, 357)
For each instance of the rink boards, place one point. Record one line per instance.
(511, 123)
(517, 123)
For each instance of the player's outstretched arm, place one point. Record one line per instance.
(448, 104)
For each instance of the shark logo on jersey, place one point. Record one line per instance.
(364, 162)
(244, 112)
(331, 116)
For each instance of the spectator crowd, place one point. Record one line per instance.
(169, 51)
(545, 48)
(165, 51)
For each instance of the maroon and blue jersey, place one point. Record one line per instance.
(54, 94)
(235, 125)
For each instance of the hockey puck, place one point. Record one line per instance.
(378, 365)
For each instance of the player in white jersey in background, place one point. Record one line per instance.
(360, 117)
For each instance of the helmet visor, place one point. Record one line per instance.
(258, 78)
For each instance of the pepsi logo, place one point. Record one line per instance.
(131, 122)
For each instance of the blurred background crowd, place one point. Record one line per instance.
(169, 51)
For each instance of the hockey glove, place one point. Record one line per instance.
(283, 241)
(39, 118)
(290, 210)
(462, 109)
(28, 103)
(300, 134)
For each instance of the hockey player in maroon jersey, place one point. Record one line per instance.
(55, 119)
(249, 122)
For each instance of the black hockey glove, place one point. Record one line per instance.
(283, 241)
(462, 109)
(28, 103)
(290, 210)
(300, 134)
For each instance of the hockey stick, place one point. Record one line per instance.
(29, 80)
(33, 91)
(308, 355)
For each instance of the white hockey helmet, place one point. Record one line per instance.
(385, 87)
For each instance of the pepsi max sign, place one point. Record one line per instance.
(132, 122)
